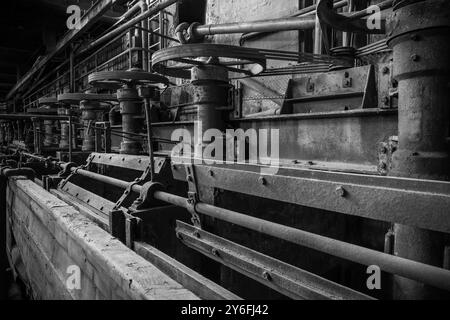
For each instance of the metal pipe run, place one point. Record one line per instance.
(311, 10)
(434, 276)
(294, 23)
(196, 31)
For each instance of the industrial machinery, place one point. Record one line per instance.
(305, 156)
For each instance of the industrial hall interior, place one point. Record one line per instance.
(225, 150)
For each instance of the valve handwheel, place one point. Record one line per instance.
(91, 107)
(178, 61)
(78, 97)
(126, 83)
(130, 78)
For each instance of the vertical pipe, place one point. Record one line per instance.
(148, 116)
(144, 36)
(70, 138)
(346, 35)
(130, 108)
(71, 70)
(317, 36)
(210, 92)
(421, 46)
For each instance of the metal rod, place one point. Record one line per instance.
(144, 36)
(311, 10)
(431, 275)
(283, 24)
(147, 106)
(70, 139)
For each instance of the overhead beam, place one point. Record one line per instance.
(90, 18)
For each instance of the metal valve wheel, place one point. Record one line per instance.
(78, 97)
(130, 78)
(178, 61)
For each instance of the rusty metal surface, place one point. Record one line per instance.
(282, 277)
(132, 162)
(428, 274)
(78, 97)
(116, 79)
(419, 203)
(101, 206)
(236, 59)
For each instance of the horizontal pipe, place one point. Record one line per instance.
(437, 277)
(434, 276)
(311, 10)
(105, 179)
(283, 24)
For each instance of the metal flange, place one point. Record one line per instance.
(132, 77)
(178, 61)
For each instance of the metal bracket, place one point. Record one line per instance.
(146, 199)
(347, 82)
(51, 181)
(144, 177)
(67, 170)
(193, 197)
(117, 224)
(124, 227)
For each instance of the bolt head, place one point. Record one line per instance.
(262, 181)
(266, 275)
(340, 191)
(415, 57)
(215, 252)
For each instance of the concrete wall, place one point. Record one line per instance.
(46, 236)
(219, 11)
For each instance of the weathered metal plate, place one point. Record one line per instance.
(282, 277)
(139, 163)
(421, 203)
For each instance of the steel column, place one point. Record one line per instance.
(420, 39)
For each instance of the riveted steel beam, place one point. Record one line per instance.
(421, 203)
(282, 277)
